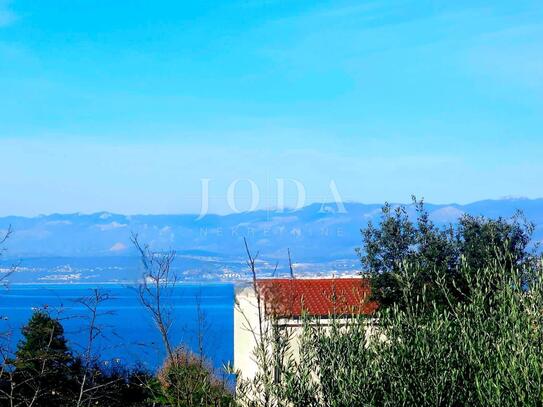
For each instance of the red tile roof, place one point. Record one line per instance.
(285, 297)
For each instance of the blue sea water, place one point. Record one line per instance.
(128, 331)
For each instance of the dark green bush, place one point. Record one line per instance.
(438, 252)
(189, 380)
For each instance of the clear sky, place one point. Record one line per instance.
(125, 105)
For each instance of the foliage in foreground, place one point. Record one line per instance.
(437, 253)
(43, 372)
(188, 380)
(485, 350)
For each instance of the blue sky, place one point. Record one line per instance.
(125, 106)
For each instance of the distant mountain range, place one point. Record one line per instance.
(316, 233)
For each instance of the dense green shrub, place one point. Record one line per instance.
(437, 252)
(189, 380)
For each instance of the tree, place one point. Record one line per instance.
(43, 363)
(436, 253)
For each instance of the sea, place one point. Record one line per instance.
(127, 333)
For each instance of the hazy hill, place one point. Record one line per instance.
(314, 233)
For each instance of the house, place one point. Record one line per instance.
(284, 301)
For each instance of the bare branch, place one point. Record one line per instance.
(157, 284)
(290, 264)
